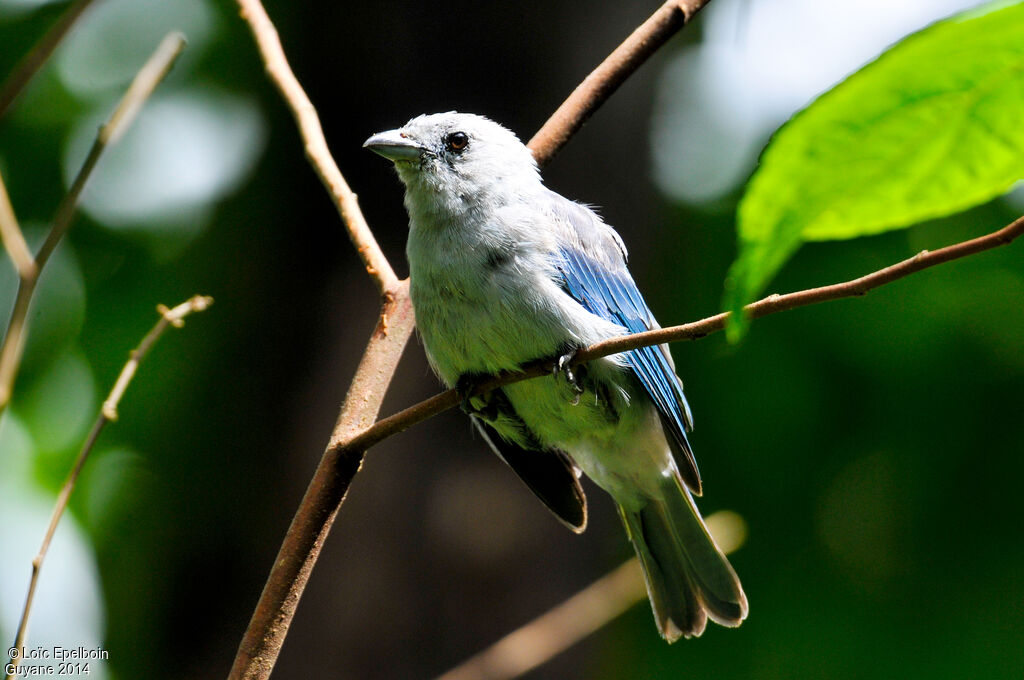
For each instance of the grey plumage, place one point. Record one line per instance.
(504, 271)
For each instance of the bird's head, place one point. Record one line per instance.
(458, 158)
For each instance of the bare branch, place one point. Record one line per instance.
(108, 413)
(602, 82)
(13, 238)
(25, 264)
(377, 266)
(772, 304)
(146, 80)
(582, 614)
(266, 632)
(14, 339)
(37, 56)
(555, 631)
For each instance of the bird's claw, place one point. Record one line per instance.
(465, 386)
(562, 365)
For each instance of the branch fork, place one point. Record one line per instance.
(358, 428)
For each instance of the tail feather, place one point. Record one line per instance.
(688, 578)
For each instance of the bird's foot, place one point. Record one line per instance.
(562, 365)
(465, 387)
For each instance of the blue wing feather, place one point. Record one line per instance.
(613, 296)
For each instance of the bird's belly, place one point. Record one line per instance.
(611, 431)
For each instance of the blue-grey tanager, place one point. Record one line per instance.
(504, 271)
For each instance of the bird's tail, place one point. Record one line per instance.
(688, 578)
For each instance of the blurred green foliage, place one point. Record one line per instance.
(873, 446)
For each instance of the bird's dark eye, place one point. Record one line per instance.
(457, 141)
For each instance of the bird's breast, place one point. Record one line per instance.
(483, 308)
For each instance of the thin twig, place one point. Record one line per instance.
(581, 615)
(13, 238)
(28, 272)
(146, 80)
(317, 152)
(14, 339)
(37, 56)
(108, 413)
(602, 82)
(772, 304)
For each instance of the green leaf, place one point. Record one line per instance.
(932, 127)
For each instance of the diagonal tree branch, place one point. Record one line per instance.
(602, 82)
(268, 627)
(13, 238)
(548, 635)
(37, 56)
(584, 613)
(142, 86)
(772, 304)
(317, 151)
(108, 413)
(300, 549)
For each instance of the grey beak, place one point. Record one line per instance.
(394, 145)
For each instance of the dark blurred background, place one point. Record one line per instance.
(873, 446)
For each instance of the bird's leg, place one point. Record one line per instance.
(562, 365)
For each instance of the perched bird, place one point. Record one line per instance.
(504, 271)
